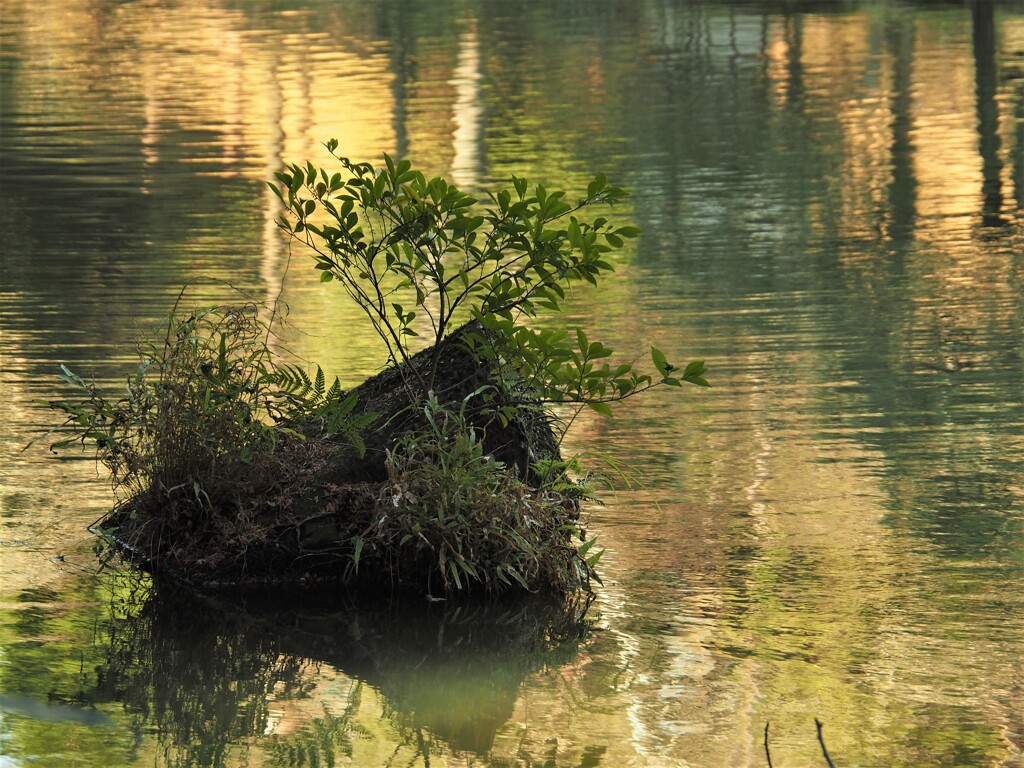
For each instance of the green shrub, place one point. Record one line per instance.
(415, 252)
(454, 518)
(418, 253)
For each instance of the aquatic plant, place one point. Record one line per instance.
(231, 466)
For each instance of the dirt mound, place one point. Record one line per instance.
(317, 510)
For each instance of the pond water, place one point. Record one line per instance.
(830, 195)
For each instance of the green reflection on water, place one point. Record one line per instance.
(195, 681)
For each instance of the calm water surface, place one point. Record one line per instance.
(831, 198)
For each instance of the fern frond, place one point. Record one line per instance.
(319, 386)
(291, 380)
(335, 391)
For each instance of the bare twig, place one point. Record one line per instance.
(821, 741)
(767, 752)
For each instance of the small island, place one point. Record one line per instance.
(440, 474)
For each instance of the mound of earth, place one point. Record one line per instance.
(306, 504)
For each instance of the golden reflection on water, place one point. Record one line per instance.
(781, 577)
(44, 505)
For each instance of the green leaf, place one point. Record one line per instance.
(696, 368)
(581, 339)
(603, 408)
(660, 362)
(520, 186)
(515, 574)
(453, 569)
(357, 550)
(586, 546)
(574, 231)
(72, 378)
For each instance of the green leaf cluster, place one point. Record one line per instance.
(293, 397)
(420, 256)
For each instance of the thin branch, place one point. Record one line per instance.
(375, 306)
(821, 740)
(277, 299)
(568, 424)
(767, 752)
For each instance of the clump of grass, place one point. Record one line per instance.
(190, 428)
(201, 442)
(454, 518)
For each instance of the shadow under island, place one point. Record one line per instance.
(209, 675)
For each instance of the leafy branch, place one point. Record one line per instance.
(419, 255)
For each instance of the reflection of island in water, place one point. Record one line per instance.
(215, 676)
